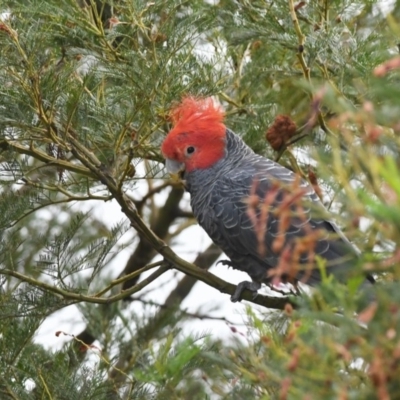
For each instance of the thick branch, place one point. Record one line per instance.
(160, 225)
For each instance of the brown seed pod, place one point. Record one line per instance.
(281, 131)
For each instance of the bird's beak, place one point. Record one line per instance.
(174, 168)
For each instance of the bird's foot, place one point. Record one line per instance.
(252, 286)
(226, 262)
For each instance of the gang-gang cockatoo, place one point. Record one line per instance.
(266, 219)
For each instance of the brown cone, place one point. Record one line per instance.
(281, 131)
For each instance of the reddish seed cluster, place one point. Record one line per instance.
(4, 27)
(368, 313)
(288, 309)
(285, 386)
(281, 131)
(294, 361)
(258, 211)
(383, 69)
(379, 374)
(312, 177)
(299, 5)
(113, 21)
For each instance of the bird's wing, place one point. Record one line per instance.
(259, 212)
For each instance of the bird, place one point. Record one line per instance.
(264, 217)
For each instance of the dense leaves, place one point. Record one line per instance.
(85, 89)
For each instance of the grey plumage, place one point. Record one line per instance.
(220, 202)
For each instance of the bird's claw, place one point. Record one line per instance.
(246, 285)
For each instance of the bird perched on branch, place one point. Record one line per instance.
(266, 219)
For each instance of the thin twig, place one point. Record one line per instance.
(78, 297)
(151, 193)
(128, 277)
(301, 41)
(41, 156)
(289, 143)
(45, 386)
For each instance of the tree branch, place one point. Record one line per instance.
(78, 297)
(160, 223)
(41, 156)
(180, 264)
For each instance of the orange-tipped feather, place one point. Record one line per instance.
(198, 114)
(198, 123)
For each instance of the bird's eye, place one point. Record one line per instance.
(190, 150)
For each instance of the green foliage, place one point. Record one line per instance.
(85, 89)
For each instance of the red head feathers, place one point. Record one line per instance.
(197, 139)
